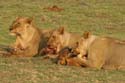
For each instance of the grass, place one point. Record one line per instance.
(36, 70)
(102, 17)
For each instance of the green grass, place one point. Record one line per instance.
(36, 70)
(102, 17)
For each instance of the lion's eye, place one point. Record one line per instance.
(17, 24)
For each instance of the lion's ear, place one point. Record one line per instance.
(61, 30)
(18, 17)
(29, 20)
(86, 35)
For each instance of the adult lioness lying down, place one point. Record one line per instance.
(28, 38)
(102, 52)
(60, 39)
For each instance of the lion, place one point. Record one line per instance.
(81, 46)
(101, 52)
(29, 39)
(60, 39)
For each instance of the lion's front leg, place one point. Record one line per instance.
(18, 48)
(91, 62)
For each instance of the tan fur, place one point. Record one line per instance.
(61, 38)
(28, 38)
(83, 44)
(102, 52)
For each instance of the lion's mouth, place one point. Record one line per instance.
(51, 50)
(15, 34)
(12, 34)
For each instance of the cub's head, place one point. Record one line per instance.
(56, 39)
(20, 26)
(81, 46)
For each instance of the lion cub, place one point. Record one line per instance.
(102, 52)
(28, 37)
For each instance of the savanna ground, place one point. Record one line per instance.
(101, 17)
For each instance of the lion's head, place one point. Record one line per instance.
(82, 46)
(20, 25)
(56, 40)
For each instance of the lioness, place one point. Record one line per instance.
(28, 38)
(102, 52)
(60, 39)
